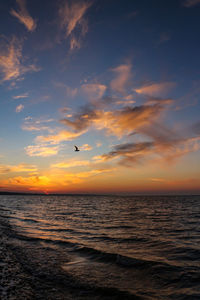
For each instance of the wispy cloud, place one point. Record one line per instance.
(19, 108)
(127, 100)
(161, 180)
(128, 153)
(61, 136)
(123, 76)
(94, 90)
(31, 124)
(156, 89)
(73, 21)
(190, 3)
(23, 15)
(42, 150)
(163, 101)
(85, 147)
(178, 150)
(11, 58)
(71, 163)
(50, 144)
(25, 95)
(17, 168)
(161, 150)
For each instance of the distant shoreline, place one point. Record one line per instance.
(6, 193)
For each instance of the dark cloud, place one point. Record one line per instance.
(161, 134)
(166, 146)
(82, 120)
(129, 153)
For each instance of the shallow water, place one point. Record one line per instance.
(105, 247)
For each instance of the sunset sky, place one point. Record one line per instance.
(118, 78)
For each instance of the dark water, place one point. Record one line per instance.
(106, 247)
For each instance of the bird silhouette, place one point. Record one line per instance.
(76, 148)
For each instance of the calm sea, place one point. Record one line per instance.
(105, 247)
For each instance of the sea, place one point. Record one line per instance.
(99, 247)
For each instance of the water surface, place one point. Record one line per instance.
(112, 247)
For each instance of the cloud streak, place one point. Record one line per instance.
(17, 168)
(163, 151)
(85, 147)
(73, 21)
(11, 66)
(31, 124)
(61, 136)
(128, 153)
(23, 15)
(71, 164)
(42, 150)
(25, 95)
(155, 89)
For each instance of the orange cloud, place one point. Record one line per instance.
(71, 163)
(31, 181)
(23, 16)
(119, 122)
(59, 137)
(17, 168)
(10, 61)
(156, 89)
(41, 150)
(85, 147)
(52, 180)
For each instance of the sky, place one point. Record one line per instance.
(118, 78)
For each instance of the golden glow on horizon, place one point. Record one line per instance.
(67, 178)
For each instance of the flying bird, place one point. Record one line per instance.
(76, 148)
